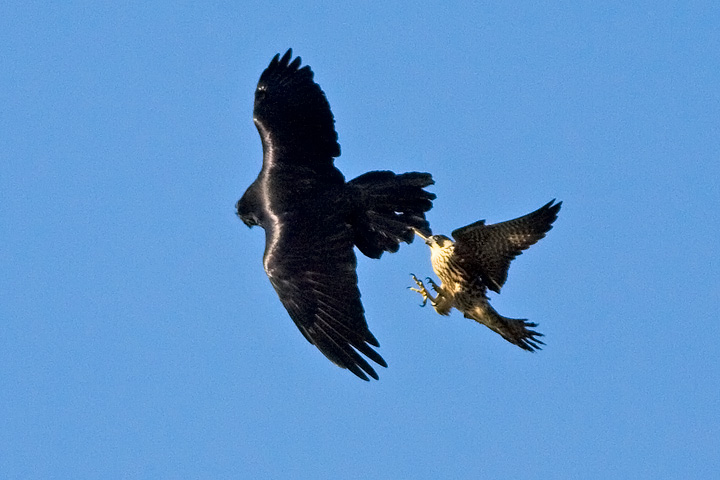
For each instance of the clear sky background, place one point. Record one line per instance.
(140, 337)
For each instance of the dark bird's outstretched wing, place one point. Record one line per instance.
(487, 250)
(293, 115)
(313, 219)
(316, 281)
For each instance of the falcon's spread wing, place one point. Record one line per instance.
(316, 281)
(487, 250)
(293, 116)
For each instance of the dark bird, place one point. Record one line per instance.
(313, 218)
(479, 259)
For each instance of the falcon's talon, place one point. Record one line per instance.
(422, 291)
(425, 298)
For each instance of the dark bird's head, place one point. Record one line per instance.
(245, 209)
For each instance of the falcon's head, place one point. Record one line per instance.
(438, 241)
(441, 247)
(435, 241)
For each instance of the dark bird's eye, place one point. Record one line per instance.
(260, 93)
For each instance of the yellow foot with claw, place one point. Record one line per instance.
(421, 290)
(433, 284)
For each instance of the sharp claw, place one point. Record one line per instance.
(422, 291)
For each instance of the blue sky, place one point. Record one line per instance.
(140, 337)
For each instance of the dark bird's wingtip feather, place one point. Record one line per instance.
(360, 374)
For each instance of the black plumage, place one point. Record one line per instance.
(313, 218)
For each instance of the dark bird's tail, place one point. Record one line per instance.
(513, 330)
(389, 207)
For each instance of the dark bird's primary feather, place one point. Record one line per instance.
(313, 218)
(479, 259)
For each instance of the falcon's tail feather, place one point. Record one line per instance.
(391, 208)
(514, 330)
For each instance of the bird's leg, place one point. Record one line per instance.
(422, 291)
(442, 303)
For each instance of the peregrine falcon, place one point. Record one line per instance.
(313, 218)
(479, 259)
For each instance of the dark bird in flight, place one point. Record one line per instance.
(479, 259)
(313, 218)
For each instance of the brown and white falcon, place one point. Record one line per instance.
(479, 259)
